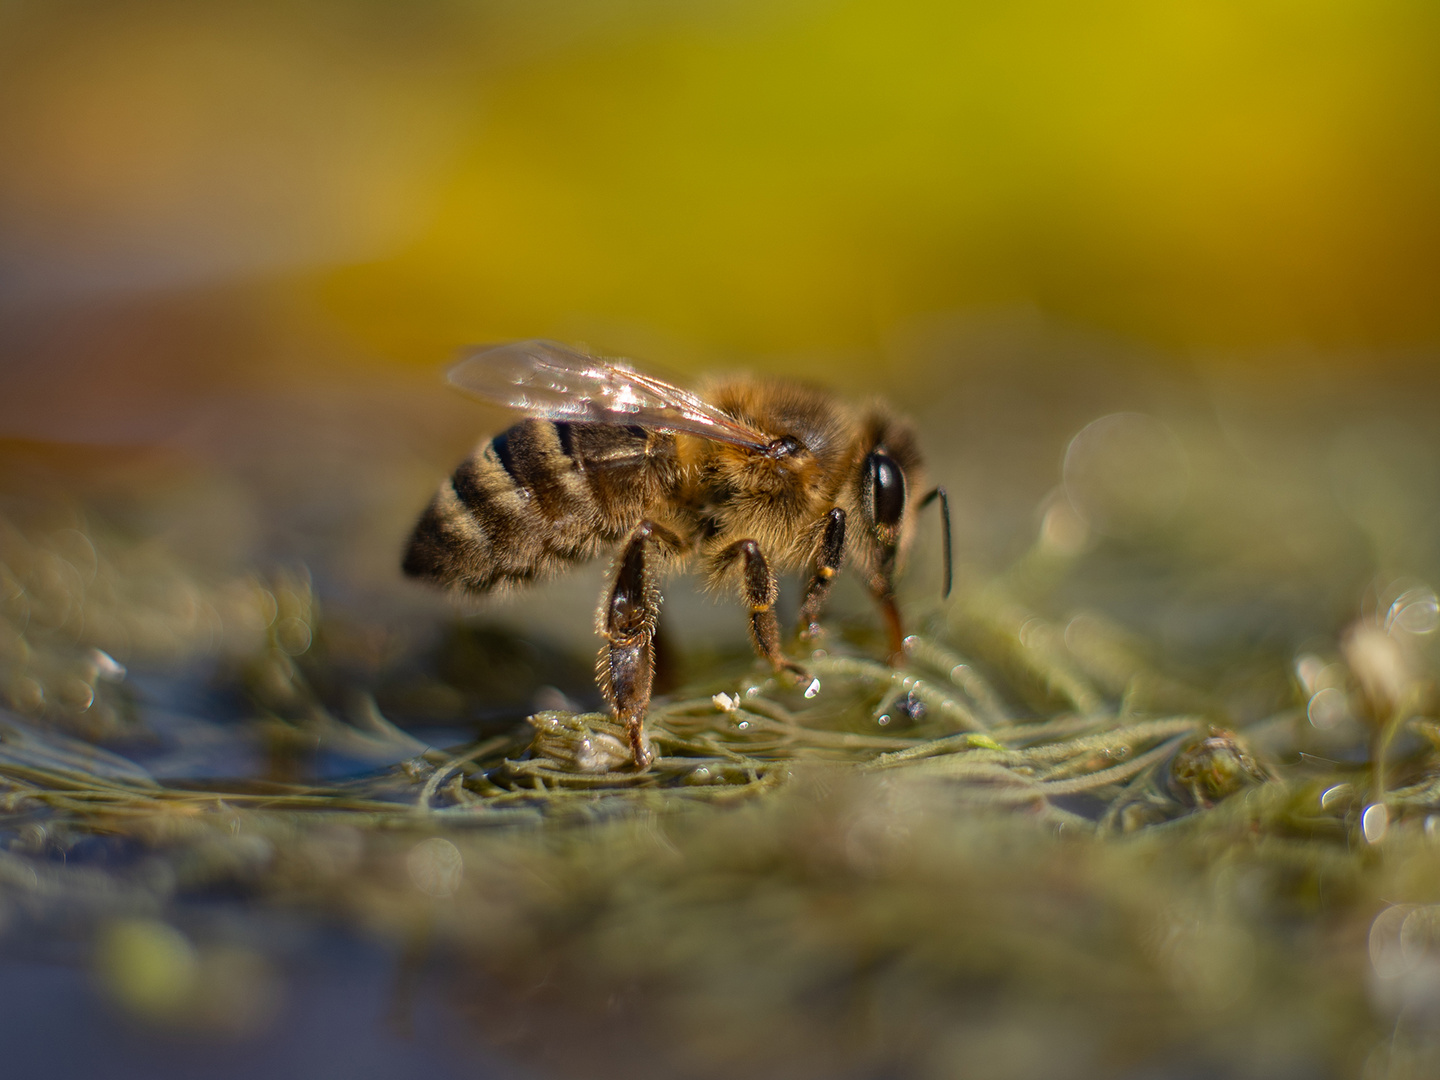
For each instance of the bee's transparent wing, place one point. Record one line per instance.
(554, 382)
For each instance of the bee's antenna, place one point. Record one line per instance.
(939, 493)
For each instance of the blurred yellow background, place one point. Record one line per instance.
(730, 178)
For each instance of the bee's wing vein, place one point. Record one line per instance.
(552, 381)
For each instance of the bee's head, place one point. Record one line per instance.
(885, 486)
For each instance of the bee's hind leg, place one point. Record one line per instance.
(627, 619)
(760, 589)
(827, 564)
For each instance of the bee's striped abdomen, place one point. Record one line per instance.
(537, 496)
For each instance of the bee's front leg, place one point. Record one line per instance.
(627, 622)
(760, 589)
(827, 564)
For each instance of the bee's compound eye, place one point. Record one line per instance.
(887, 489)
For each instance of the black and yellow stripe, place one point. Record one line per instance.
(539, 496)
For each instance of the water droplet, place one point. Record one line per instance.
(293, 635)
(26, 695)
(78, 694)
(1126, 473)
(436, 867)
(1327, 708)
(1375, 823)
(1420, 934)
(106, 666)
(1032, 633)
(1415, 611)
(1387, 956)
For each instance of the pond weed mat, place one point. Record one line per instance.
(1162, 801)
(1026, 850)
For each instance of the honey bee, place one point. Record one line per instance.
(755, 477)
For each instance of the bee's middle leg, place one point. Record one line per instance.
(760, 589)
(827, 564)
(627, 623)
